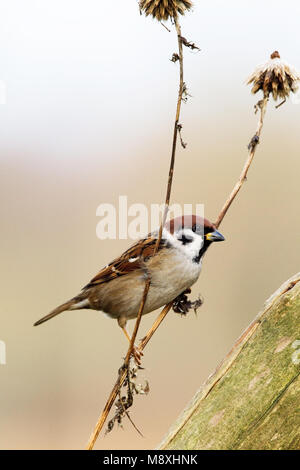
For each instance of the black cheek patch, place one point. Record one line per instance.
(197, 258)
(185, 240)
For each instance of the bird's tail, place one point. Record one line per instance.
(72, 304)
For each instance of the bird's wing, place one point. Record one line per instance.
(131, 260)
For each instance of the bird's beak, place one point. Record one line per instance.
(214, 236)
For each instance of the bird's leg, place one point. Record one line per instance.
(136, 352)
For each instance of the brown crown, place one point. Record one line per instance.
(188, 221)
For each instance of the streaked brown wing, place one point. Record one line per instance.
(129, 261)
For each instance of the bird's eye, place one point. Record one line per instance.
(185, 239)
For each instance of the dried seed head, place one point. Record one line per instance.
(275, 77)
(164, 9)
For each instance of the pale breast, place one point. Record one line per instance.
(170, 276)
(170, 272)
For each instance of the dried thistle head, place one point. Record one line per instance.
(275, 77)
(164, 9)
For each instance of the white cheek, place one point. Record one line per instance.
(192, 249)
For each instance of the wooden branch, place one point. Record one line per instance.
(252, 399)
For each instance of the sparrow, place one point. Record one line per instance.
(118, 288)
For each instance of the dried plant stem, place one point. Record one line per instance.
(165, 27)
(175, 132)
(122, 376)
(155, 325)
(262, 106)
(169, 187)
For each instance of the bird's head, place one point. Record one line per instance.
(193, 234)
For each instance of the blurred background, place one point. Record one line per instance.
(90, 103)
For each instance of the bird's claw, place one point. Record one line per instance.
(137, 355)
